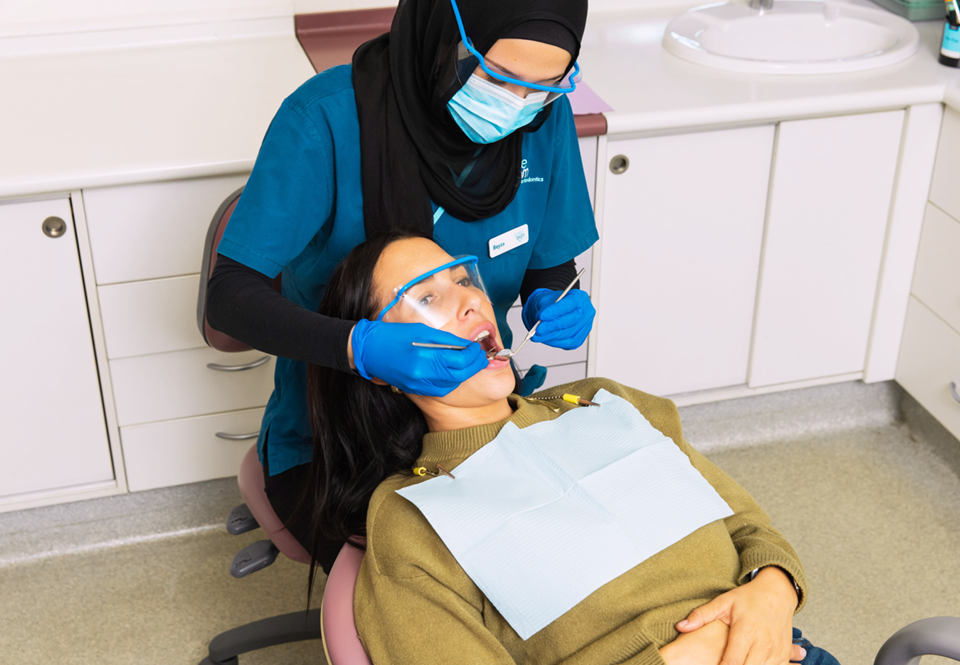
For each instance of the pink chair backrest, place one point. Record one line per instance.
(250, 479)
(218, 225)
(340, 640)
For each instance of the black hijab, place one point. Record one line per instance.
(411, 149)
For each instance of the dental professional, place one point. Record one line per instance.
(454, 124)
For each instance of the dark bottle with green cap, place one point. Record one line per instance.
(950, 46)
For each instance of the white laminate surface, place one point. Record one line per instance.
(162, 110)
(930, 362)
(651, 90)
(823, 245)
(188, 101)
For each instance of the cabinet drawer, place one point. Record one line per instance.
(936, 281)
(179, 385)
(560, 374)
(152, 230)
(187, 450)
(540, 354)
(946, 171)
(150, 317)
(929, 361)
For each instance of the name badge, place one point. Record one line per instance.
(509, 240)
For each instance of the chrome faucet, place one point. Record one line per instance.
(761, 4)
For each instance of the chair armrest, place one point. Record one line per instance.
(937, 636)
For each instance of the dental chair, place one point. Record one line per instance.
(256, 512)
(937, 636)
(333, 622)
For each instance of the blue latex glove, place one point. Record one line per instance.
(385, 351)
(564, 324)
(532, 380)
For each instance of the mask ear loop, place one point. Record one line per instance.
(573, 78)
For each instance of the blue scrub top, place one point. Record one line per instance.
(302, 212)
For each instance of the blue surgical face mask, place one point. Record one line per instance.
(487, 112)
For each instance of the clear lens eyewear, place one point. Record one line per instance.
(436, 297)
(468, 59)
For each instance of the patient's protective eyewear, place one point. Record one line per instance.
(434, 298)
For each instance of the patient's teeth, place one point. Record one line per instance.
(483, 335)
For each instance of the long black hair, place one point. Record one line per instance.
(362, 432)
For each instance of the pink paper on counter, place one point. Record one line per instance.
(586, 102)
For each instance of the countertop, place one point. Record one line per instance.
(179, 102)
(192, 101)
(651, 90)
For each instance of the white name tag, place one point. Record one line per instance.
(509, 240)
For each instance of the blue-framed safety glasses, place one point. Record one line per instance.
(436, 296)
(468, 58)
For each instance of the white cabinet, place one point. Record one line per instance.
(190, 449)
(681, 235)
(930, 350)
(936, 282)
(140, 232)
(930, 363)
(54, 432)
(826, 222)
(147, 244)
(709, 281)
(944, 190)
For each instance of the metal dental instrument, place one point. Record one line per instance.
(431, 345)
(507, 353)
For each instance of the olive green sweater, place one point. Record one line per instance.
(415, 605)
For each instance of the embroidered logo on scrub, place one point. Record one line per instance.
(525, 173)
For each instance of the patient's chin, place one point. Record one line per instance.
(484, 387)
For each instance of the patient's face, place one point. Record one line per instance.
(472, 314)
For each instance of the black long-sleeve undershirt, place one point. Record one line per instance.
(242, 303)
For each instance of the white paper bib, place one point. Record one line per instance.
(542, 517)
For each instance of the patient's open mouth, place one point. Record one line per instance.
(487, 341)
(489, 345)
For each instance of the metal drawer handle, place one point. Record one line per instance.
(953, 391)
(238, 437)
(239, 368)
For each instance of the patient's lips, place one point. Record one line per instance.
(484, 335)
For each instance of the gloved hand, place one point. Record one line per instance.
(564, 324)
(385, 351)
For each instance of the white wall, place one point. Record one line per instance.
(36, 17)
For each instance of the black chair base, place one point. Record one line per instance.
(240, 520)
(255, 556)
(294, 627)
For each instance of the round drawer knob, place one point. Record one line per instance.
(53, 227)
(619, 164)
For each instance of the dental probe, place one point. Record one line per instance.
(431, 345)
(507, 353)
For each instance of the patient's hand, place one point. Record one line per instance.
(760, 616)
(703, 646)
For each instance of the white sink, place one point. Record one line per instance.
(792, 37)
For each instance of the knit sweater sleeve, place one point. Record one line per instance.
(757, 542)
(414, 604)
